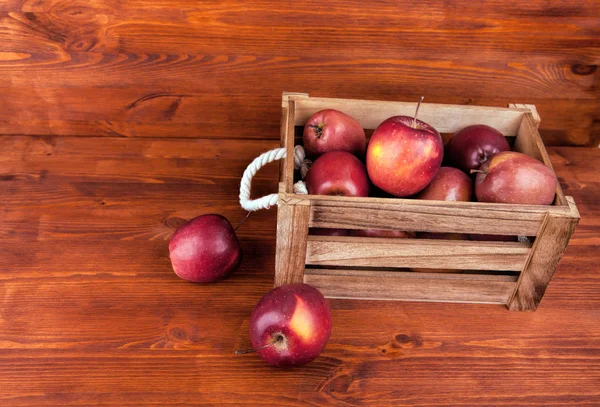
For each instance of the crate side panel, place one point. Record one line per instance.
(423, 218)
(407, 286)
(445, 118)
(421, 253)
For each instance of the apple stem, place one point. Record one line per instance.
(277, 339)
(242, 222)
(318, 129)
(417, 112)
(474, 171)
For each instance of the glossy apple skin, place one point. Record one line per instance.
(337, 173)
(205, 249)
(327, 232)
(515, 178)
(332, 130)
(474, 145)
(399, 234)
(449, 184)
(300, 315)
(402, 160)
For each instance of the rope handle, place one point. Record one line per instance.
(265, 202)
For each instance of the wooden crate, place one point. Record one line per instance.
(511, 273)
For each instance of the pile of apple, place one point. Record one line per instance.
(291, 324)
(404, 159)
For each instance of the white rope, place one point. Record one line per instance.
(265, 202)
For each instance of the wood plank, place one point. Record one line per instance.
(546, 253)
(289, 145)
(453, 30)
(292, 232)
(160, 113)
(407, 253)
(408, 286)
(445, 118)
(134, 69)
(422, 217)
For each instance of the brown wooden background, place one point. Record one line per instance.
(156, 68)
(120, 119)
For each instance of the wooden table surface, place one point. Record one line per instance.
(120, 119)
(92, 314)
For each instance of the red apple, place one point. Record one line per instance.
(515, 178)
(474, 145)
(332, 130)
(379, 233)
(404, 155)
(449, 184)
(337, 173)
(328, 232)
(205, 249)
(290, 325)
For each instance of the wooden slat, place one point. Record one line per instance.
(445, 118)
(289, 144)
(292, 231)
(164, 115)
(548, 249)
(424, 253)
(407, 286)
(355, 213)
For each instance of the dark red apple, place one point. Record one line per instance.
(474, 145)
(444, 236)
(328, 232)
(379, 233)
(515, 178)
(290, 325)
(337, 173)
(332, 130)
(403, 156)
(205, 249)
(494, 238)
(449, 184)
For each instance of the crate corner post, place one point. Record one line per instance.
(292, 233)
(548, 248)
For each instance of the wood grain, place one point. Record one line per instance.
(409, 286)
(430, 217)
(545, 255)
(91, 313)
(407, 253)
(445, 118)
(217, 68)
(292, 233)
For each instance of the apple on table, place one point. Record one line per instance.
(205, 249)
(290, 325)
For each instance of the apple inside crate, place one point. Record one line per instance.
(514, 273)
